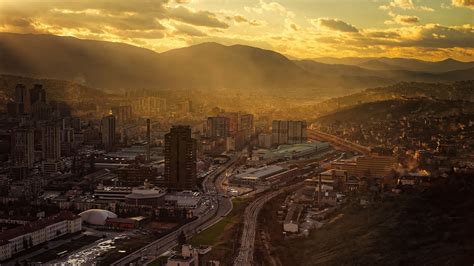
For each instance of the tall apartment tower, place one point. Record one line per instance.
(51, 142)
(246, 125)
(37, 94)
(108, 128)
(288, 132)
(51, 145)
(148, 139)
(22, 147)
(180, 158)
(123, 114)
(22, 98)
(218, 127)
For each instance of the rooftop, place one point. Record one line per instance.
(260, 173)
(7, 235)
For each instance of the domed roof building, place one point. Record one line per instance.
(96, 216)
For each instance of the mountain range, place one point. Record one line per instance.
(385, 63)
(111, 65)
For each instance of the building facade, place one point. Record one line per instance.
(22, 147)
(180, 158)
(107, 129)
(289, 132)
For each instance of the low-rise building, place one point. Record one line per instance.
(292, 218)
(34, 233)
(188, 257)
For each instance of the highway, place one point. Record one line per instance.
(212, 185)
(337, 141)
(247, 240)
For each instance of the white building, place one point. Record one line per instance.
(189, 257)
(31, 234)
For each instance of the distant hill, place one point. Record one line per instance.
(115, 65)
(110, 65)
(59, 90)
(384, 63)
(396, 109)
(238, 66)
(462, 90)
(382, 73)
(97, 64)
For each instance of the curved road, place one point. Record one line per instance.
(212, 186)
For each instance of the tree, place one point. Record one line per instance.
(182, 238)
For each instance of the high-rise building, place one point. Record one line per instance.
(22, 97)
(60, 109)
(233, 122)
(22, 147)
(108, 128)
(185, 107)
(37, 94)
(180, 158)
(67, 141)
(265, 140)
(288, 132)
(149, 105)
(51, 142)
(217, 127)
(51, 145)
(122, 113)
(246, 125)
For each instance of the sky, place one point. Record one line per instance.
(423, 29)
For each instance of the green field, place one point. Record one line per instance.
(161, 261)
(213, 235)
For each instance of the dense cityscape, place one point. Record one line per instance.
(302, 139)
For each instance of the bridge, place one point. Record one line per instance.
(337, 141)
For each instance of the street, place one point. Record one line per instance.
(247, 241)
(212, 185)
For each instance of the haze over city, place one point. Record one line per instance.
(250, 132)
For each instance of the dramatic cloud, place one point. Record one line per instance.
(405, 4)
(272, 24)
(270, 7)
(334, 24)
(401, 19)
(200, 18)
(240, 19)
(463, 3)
(291, 25)
(188, 30)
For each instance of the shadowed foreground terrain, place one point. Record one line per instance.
(434, 227)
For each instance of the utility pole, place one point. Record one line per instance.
(148, 137)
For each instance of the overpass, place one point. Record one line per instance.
(337, 141)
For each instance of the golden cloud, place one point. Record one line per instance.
(463, 3)
(334, 24)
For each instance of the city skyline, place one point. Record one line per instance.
(236, 132)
